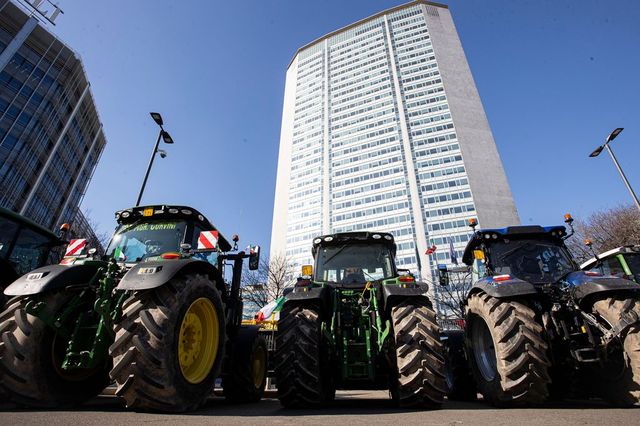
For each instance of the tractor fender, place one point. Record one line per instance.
(393, 293)
(585, 286)
(511, 288)
(148, 275)
(303, 295)
(53, 277)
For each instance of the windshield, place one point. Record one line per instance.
(357, 263)
(136, 241)
(633, 261)
(30, 251)
(531, 260)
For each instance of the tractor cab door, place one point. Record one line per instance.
(22, 248)
(207, 256)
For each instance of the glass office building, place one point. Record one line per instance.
(383, 129)
(51, 136)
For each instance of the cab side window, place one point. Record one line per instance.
(612, 267)
(212, 256)
(8, 232)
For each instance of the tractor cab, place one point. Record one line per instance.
(24, 246)
(623, 262)
(534, 254)
(355, 258)
(155, 233)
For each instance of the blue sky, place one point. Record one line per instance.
(555, 78)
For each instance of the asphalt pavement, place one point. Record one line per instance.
(350, 408)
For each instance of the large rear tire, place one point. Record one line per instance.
(507, 351)
(169, 345)
(619, 379)
(419, 354)
(31, 356)
(302, 380)
(245, 371)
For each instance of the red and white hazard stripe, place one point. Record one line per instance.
(208, 240)
(75, 247)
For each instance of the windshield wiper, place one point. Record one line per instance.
(335, 254)
(510, 252)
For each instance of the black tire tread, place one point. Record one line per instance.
(521, 351)
(463, 386)
(420, 360)
(26, 376)
(145, 365)
(237, 378)
(297, 358)
(626, 390)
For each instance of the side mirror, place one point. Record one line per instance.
(254, 257)
(443, 276)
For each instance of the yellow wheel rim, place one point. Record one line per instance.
(259, 366)
(198, 340)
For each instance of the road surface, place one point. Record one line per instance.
(350, 408)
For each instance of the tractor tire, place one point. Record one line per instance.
(460, 381)
(419, 354)
(302, 377)
(507, 351)
(169, 345)
(244, 374)
(619, 380)
(31, 356)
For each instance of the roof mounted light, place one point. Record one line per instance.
(317, 241)
(388, 237)
(376, 236)
(201, 218)
(328, 239)
(185, 211)
(125, 214)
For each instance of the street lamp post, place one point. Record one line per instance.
(167, 139)
(599, 149)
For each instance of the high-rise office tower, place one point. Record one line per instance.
(383, 129)
(50, 133)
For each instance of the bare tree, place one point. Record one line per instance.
(449, 297)
(607, 229)
(268, 282)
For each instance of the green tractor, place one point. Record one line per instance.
(24, 246)
(154, 315)
(355, 321)
(623, 262)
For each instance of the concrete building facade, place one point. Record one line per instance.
(51, 135)
(383, 129)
